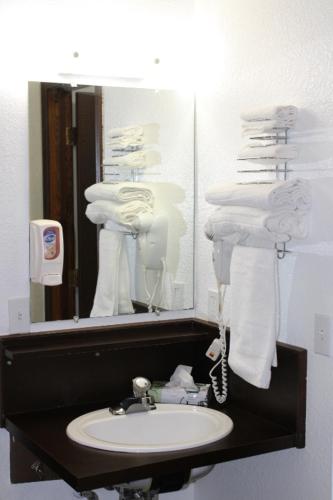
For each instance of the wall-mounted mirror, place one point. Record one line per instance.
(115, 166)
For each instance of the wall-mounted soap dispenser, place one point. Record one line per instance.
(46, 252)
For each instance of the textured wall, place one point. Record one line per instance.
(265, 53)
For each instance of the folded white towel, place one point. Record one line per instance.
(112, 294)
(149, 131)
(269, 154)
(120, 192)
(254, 316)
(100, 211)
(127, 141)
(137, 159)
(131, 130)
(124, 150)
(277, 226)
(266, 126)
(271, 113)
(292, 194)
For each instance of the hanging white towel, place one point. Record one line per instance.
(112, 294)
(293, 194)
(100, 211)
(254, 314)
(120, 192)
(271, 113)
(137, 159)
(269, 154)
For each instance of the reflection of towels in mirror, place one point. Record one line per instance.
(137, 159)
(101, 211)
(112, 294)
(149, 132)
(120, 192)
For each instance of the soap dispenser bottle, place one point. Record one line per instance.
(46, 252)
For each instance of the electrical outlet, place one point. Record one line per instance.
(213, 305)
(178, 295)
(19, 314)
(323, 334)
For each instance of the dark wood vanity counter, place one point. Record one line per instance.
(86, 468)
(43, 388)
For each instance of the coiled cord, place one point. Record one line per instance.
(221, 394)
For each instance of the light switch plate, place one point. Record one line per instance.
(323, 331)
(19, 314)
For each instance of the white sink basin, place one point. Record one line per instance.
(170, 427)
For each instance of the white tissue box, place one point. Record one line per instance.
(179, 395)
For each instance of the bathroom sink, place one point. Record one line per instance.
(168, 428)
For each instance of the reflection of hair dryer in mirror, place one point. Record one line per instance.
(152, 247)
(46, 252)
(153, 243)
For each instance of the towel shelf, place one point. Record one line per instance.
(281, 167)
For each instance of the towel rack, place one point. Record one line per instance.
(280, 135)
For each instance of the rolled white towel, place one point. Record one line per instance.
(271, 113)
(100, 211)
(292, 194)
(269, 154)
(278, 226)
(126, 141)
(266, 126)
(120, 192)
(137, 159)
(148, 131)
(131, 130)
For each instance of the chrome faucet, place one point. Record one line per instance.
(140, 401)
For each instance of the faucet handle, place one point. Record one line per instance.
(141, 386)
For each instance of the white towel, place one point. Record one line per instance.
(277, 226)
(292, 194)
(112, 294)
(121, 131)
(100, 211)
(120, 192)
(148, 131)
(254, 314)
(137, 159)
(269, 154)
(126, 141)
(266, 126)
(271, 113)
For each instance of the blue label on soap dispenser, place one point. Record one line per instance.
(51, 243)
